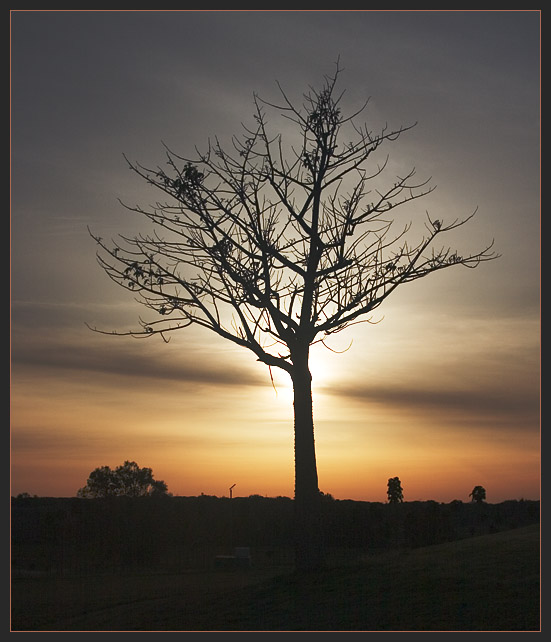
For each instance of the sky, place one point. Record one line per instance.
(444, 391)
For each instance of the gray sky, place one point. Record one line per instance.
(88, 87)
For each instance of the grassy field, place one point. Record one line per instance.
(486, 583)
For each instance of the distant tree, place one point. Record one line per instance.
(276, 245)
(128, 480)
(478, 494)
(394, 492)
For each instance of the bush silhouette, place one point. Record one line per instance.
(128, 480)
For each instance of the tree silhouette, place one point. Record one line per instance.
(128, 480)
(277, 246)
(394, 492)
(478, 494)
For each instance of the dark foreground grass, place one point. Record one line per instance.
(487, 583)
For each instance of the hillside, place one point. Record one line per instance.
(483, 583)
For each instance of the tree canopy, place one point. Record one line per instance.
(478, 494)
(394, 492)
(128, 480)
(275, 244)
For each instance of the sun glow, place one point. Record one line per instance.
(324, 367)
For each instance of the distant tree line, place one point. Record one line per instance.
(83, 535)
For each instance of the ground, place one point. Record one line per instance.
(486, 583)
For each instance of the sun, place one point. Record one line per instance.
(325, 365)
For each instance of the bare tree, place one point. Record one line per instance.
(276, 247)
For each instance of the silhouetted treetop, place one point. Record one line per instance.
(271, 245)
(394, 491)
(478, 494)
(128, 480)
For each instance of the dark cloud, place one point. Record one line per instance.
(134, 358)
(514, 407)
(64, 342)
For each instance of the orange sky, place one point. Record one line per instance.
(204, 415)
(443, 392)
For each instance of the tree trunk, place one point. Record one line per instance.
(308, 526)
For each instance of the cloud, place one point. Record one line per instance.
(65, 344)
(507, 406)
(129, 358)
